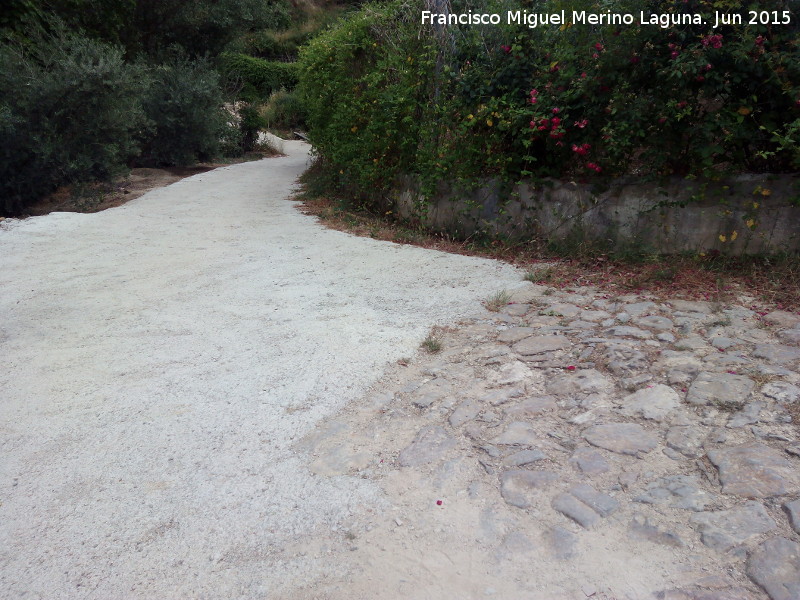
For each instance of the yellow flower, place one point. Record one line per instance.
(734, 235)
(750, 223)
(766, 192)
(354, 128)
(489, 122)
(470, 117)
(722, 238)
(744, 111)
(755, 205)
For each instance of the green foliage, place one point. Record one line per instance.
(276, 45)
(153, 27)
(284, 110)
(69, 111)
(365, 86)
(184, 106)
(250, 123)
(388, 96)
(258, 77)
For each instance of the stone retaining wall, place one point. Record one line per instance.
(748, 214)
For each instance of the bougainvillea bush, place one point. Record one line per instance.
(388, 95)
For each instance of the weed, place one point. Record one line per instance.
(539, 275)
(497, 301)
(728, 405)
(724, 322)
(432, 344)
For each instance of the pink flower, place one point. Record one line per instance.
(439, 503)
(555, 121)
(506, 49)
(715, 41)
(709, 67)
(571, 368)
(595, 55)
(583, 75)
(674, 54)
(556, 110)
(581, 150)
(662, 120)
(581, 124)
(598, 46)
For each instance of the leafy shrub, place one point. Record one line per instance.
(365, 88)
(69, 111)
(250, 124)
(284, 110)
(184, 106)
(259, 77)
(388, 96)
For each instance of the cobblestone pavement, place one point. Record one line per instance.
(577, 445)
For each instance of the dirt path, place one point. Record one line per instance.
(162, 359)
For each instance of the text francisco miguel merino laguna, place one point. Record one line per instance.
(582, 17)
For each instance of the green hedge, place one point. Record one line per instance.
(388, 96)
(258, 77)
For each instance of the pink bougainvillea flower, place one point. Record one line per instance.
(595, 55)
(506, 49)
(598, 46)
(555, 121)
(674, 54)
(581, 124)
(583, 75)
(709, 67)
(556, 110)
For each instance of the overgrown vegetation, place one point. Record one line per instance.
(91, 88)
(388, 96)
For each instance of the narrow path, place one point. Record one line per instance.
(159, 361)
